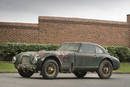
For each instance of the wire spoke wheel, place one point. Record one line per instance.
(50, 69)
(105, 69)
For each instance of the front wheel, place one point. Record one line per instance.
(25, 74)
(50, 69)
(80, 74)
(105, 69)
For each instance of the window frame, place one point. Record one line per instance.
(86, 52)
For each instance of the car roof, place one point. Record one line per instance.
(87, 43)
(84, 43)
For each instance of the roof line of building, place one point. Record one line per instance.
(16, 24)
(79, 20)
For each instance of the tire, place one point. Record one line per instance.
(80, 74)
(105, 69)
(25, 74)
(50, 69)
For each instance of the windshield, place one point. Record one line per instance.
(69, 47)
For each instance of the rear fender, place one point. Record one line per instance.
(106, 58)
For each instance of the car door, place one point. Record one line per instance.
(86, 57)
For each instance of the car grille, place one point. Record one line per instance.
(26, 59)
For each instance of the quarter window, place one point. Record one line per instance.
(99, 50)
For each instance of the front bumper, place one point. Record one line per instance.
(26, 61)
(26, 67)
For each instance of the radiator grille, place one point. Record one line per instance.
(26, 60)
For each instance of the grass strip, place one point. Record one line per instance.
(124, 67)
(9, 67)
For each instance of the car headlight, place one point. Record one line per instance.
(14, 59)
(35, 59)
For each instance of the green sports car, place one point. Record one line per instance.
(71, 57)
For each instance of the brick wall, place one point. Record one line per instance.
(59, 30)
(18, 32)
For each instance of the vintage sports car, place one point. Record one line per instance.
(71, 57)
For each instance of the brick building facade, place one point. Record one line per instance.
(59, 30)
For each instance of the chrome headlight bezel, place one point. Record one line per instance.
(14, 59)
(35, 59)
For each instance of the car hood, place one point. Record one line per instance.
(32, 53)
(55, 52)
(35, 53)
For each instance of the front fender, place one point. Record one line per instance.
(115, 62)
(48, 56)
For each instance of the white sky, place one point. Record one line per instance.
(29, 10)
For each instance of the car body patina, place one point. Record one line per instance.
(77, 58)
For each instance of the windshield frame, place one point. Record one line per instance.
(69, 44)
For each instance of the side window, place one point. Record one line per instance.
(87, 48)
(99, 50)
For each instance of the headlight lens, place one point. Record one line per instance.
(14, 59)
(35, 59)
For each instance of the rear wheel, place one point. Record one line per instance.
(80, 74)
(50, 69)
(105, 69)
(25, 74)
